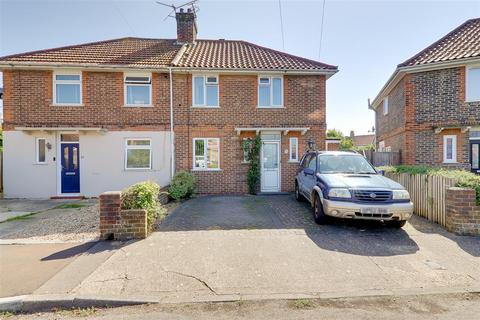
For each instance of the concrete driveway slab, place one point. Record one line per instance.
(215, 248)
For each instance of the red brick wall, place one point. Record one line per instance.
(462, 213)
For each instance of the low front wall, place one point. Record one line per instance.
(117, 224)
(463, 214)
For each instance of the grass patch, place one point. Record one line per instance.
(6, 314)
(303, 304)
(20, 218)
(70, 206)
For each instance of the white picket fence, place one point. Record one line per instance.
(427, 194)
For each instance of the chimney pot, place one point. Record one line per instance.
(181, 10)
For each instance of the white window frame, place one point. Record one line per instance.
(468, 85)
(454, 149)
(296, 149)
(37, 150)
(55, 82)
(386, 106)
(244, 154)
(138, 147)
(205, 149)
(381, 146)
(270, 77)
(137, 105)
(205, 84)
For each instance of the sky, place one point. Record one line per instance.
(365, 39)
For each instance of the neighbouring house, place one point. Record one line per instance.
(84, 119)
(363, 140)
(429, 109)
(332, 144)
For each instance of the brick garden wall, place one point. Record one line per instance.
(463, 215)
(117, 224)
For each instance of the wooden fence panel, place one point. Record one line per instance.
(379, 159)
(427, 194)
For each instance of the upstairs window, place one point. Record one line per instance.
(473, 84)
(205, 91)
(67, 88)
(138, 90)
(450, 149)
(270, 92)
(206, 153)
(138, 154)
(385, 106)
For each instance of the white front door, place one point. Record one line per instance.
(270, 163)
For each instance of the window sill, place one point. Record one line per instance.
(138, 170)
(138, 106)
(66, 105)
(471, 101)
(450, 162)
(205, 107)
(271, 107)
(245, 162)
(40, 163)
(293, 161)
(206, 170)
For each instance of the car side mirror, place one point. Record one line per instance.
(381, 172)
(308, 171)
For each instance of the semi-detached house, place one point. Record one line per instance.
(84, 119)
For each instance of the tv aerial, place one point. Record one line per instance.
(191, 4)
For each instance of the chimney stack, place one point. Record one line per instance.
(186, 26)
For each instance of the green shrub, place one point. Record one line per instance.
(465, 179)
(252, 148)
(144, 195)
(183, 186)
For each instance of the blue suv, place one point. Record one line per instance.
(345, 185)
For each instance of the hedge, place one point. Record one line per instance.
(465, 179)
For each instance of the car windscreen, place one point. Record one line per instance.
(344, 164)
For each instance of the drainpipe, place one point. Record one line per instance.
(172, 141)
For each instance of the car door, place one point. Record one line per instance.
(310, 177)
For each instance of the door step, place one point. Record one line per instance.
(68, 198)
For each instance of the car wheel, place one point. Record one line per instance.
(318, 213)
(298, 196)
(397, 223)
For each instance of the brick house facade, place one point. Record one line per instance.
(429, 109)
(116, 143)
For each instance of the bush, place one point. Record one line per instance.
(144, 195)
(183, 185)
(465, 179)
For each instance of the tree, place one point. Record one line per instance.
(346, 143)
(334, 133)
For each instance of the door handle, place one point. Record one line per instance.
(69, 173)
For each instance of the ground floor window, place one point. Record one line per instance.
(206, 153)
(450, 149)
(138, 154)
(294, 149)
(41, 147)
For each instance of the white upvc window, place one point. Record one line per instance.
(205, 91)
(270, 91)
(473, 84)
(294, 149)
(381, 146)
(138, 89)
(206, 154)
(138, 154)
(67, 88)
(385, 106)
(450, 149)
(41, 150)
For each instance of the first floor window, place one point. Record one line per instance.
(41, 148)
(270, 92)
(294, 149)
(450, 149)
(138, 90)
(473, 84)
(206, 153)
(67, 89)
(138, 154)
(205, 91)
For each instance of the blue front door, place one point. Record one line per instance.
(70, 168)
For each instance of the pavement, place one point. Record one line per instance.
(11, 208)
(226, 248)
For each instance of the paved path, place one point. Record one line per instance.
(228, 248)
(11, 208)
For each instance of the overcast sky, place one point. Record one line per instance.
(366, 39)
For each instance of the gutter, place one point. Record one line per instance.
(172, 138)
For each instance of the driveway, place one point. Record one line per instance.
(228, 248)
